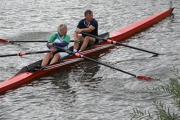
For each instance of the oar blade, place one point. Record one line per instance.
(104, 36)
(147, 78)
(3, 41)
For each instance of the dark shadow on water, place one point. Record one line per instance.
(82, 72)
(64, 79)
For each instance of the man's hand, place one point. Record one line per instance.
(52, 49)
(78, 31)
(50, 44)
(76, 40)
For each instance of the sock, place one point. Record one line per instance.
(74, 50)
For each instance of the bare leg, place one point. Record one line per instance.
(55, 58)
(46, 59)
(87, 39)
(76, 44)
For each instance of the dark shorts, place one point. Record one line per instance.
(96, 40)
(92, 43)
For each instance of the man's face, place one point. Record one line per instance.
(89, 17)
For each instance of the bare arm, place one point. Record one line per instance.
(76, 36)
(87, 30)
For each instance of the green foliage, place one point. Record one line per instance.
(173, 87)
(163, 112)
(177, 101)
(139, 115)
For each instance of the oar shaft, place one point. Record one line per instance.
(114, 42)
(90, 59)
(138, 77)
(7, 41)
(137, 48)
(26, 41)
(93, 60)
(9, 55)
(108, 66)
(25, 53)
(37, 52)
(33, 41)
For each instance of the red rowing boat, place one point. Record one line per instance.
(23, 76)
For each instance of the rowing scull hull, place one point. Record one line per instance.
(118, 35)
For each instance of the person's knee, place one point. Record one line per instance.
(87, 38)
(48, 55)
(57, 56)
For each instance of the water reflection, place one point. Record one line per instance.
(81, 74)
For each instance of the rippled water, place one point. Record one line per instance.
(87, 91)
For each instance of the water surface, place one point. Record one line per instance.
(87, 91)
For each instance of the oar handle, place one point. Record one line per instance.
(99, 38)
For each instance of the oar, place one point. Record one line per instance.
(25, 53)
(7, 41)
(115, 42)
(93, 60)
